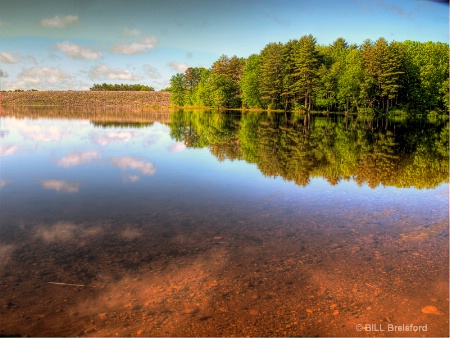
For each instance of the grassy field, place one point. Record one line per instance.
(86, 98)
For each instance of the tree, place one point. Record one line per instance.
(177, 88)
(192, 79)
(120, 87)
(271, 84)
(250, 82)
(201, 95)
(374, 55)
(223, 91)
(352, 79)
(227, 72)
(306, 69)
(231, 67)
(288, 96)
(393, 70)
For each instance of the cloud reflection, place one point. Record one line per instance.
(56, 233)
(130, 178)
(3, 183)
(6, 150)
(5, 255)
(104, 139)
(128, 162)
(44, 133)
(60, 185)
(177, 147)
(130, 234)
(74, 159)
(64, 231)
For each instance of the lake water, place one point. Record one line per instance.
(222, 224)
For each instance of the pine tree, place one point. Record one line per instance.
(271, 84)
(306, 69)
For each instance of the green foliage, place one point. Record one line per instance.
(306, 69)
(177, 88)
(271, 75)
(375, 77)
(120, 87)
(250, 82)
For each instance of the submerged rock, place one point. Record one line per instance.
(431, 310)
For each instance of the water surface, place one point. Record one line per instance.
(221, 224)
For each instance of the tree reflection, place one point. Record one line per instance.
(371, 152)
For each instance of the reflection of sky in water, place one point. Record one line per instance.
(71, 167)
(134, 215)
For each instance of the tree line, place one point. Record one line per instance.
(120, 87)
(303, 75)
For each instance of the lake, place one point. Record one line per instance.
(188, 223)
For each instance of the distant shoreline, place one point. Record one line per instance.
(148, 99)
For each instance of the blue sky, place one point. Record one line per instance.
(72, 44)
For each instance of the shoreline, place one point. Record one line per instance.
(148, 99)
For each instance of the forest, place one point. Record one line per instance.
(301, 75)
(121, 87)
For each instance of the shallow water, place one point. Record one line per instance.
(208, 224)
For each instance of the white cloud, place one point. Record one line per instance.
(141, 47)
(78, 52)
(177, 147)
(7, 150)
(60, 185)
(113, 136)
(8, 58)
(36, 74)
(128, 162)
(104, 72)
(74, 159)
(131, 32)
(41, 78)
(178, 66)
(152, 72)
(60, 22)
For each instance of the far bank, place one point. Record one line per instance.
(86, 98)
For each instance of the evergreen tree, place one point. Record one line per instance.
(271, 84)
(306, 69)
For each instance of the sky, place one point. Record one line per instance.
(72, 44)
